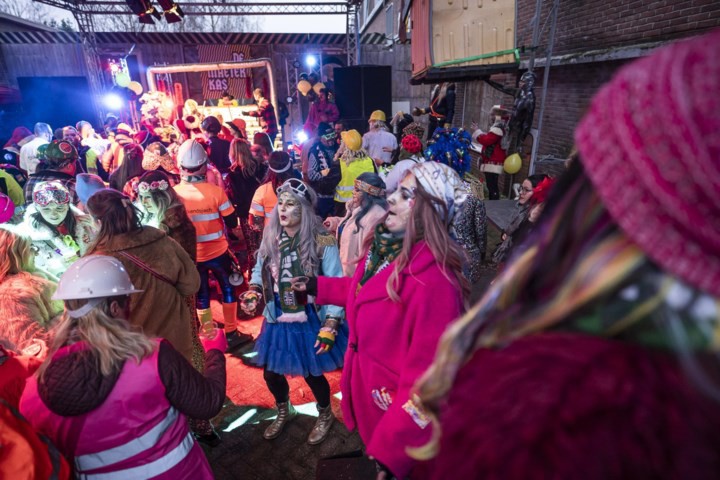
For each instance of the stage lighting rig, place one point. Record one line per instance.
(144, 10)
(172, 11)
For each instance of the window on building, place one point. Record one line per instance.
(390, 30)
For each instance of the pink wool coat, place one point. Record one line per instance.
(390, 346)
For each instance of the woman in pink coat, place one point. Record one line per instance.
(399, 301)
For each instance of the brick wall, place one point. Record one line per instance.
(592, 24)
(570, 89)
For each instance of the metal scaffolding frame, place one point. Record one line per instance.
(83, 11)
(231, 7)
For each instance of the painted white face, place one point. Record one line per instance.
(54, 213)
(401, 203)
(289, 210)
(148, 203)
(526, 191)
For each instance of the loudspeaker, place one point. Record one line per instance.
(360, 90)
(57, 101)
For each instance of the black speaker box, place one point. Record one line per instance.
(58, 101)
(360, 90)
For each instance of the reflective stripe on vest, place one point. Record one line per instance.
(204, 217)
(209, 237)
(93, 461)
(225, 206)
(149, 470)
(344, 189)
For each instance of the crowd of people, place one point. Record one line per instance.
(591, 354)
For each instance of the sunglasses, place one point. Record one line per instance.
(329, 136)
(296, 186)
(47, 196)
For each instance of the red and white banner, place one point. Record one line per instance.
(238, 82)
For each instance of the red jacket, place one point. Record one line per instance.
(492, 151)
(390, 345)
(569, 406)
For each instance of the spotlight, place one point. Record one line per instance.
(310, 61)
(172, 11)
(113, 101)
(301, 137)
(296, 64)
(144, 10)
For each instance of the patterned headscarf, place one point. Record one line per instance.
(443, 183)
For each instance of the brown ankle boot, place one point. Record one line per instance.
(322, 425)
(286, 412)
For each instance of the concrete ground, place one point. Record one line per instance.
(249, 409)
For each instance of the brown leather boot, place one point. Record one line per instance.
(286, 412)
(322, 425)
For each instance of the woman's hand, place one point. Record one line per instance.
(326, 336)
(331, 223)
(304, 284)
(216, 341)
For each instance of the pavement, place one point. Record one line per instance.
(499, 212)
(249, 409)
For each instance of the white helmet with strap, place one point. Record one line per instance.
(94, 277)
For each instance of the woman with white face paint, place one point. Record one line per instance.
(60, 233)
(406, 290)
(298, 336)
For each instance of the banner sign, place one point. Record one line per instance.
(238, 82)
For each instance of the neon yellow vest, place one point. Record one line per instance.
(344, 189)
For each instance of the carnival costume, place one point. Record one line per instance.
(294, 327)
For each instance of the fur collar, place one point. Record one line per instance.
(41, 233)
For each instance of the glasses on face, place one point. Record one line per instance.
(329, 136)
(45, 197)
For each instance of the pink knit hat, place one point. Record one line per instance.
(650, 144)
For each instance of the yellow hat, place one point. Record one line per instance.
(352, 140)
(377, 115)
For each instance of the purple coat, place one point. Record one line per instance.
(390, 346)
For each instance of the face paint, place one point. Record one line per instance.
(289, 211)
(401, 203)
(53, 213)
(148, 203)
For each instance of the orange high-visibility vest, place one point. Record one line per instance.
(206, 204)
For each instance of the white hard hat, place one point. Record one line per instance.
(191, 154)
(94, 276)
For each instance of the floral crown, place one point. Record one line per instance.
(161, 185)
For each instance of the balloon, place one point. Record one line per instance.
(122, 79)
(304, 87)
(135, 87)
(513, 163)
(317, 87)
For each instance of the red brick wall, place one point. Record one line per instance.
(592, 24)
(570, 89)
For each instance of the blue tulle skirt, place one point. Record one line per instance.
(287, 348)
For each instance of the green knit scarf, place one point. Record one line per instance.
(384, 249)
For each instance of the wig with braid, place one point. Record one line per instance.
(577, 264)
